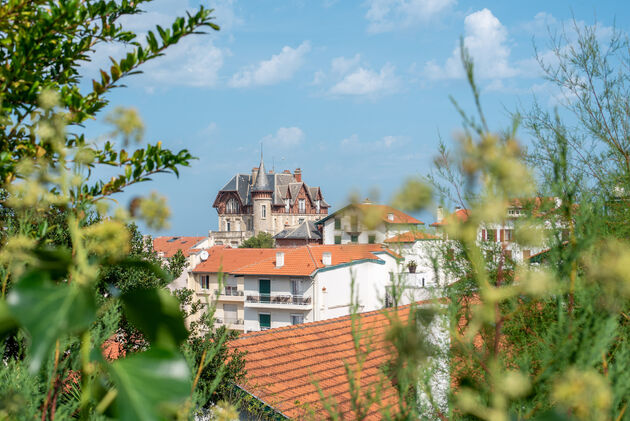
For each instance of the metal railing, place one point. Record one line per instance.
(229, 321)
(230, 292)
(286, 299)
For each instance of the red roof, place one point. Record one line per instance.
(398, 217)
(411, 237)
(460, 214)
(283, 363)
(298, 261)
(170, 245)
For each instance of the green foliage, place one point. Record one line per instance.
(263, 240)
(81, 287)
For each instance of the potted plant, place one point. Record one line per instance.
(412, 265)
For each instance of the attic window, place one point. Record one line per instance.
(172, 239)
(390, 216)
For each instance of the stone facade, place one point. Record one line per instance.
(265, 202)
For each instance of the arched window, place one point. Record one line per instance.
(232, 206)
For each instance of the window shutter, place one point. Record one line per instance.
(502, 235)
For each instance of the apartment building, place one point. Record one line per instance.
(268, 288)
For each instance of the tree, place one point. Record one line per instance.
(263, 240)
(61, 246)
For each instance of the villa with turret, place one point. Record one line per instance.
(264, 202)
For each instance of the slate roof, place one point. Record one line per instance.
(283, 364)
(304, 231)
(282, 185)
(170, 245)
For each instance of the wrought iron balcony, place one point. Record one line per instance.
(285, 299)
(229, 291)
(229, 321)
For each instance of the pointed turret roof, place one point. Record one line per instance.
(262, 181)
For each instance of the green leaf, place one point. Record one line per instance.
(49, 311)
(151, 385)
(158, 315)
(7, 321)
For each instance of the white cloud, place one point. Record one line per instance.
(486, 41)
(192, 62)
(278, 68)
(225, 15)
(388, 15)
(342, 65)
(364, 81)
(285, 137)
(387, 142)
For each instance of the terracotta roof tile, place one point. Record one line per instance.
(298, 261)
(411, 236)
(283, 364)
(170, 245)
(460, 214)
(399, 217)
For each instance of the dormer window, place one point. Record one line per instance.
(302, 205)
(286, 205)
(318, 205)
(232, 206)
(390, 216)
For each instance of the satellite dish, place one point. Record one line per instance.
(203, 255)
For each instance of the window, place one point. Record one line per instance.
(296, 319)
(302, 206)
(264, 320)
(390, 216)
(286, 205)
(230, 314)
(354, 222)
(231, 290)
(509, 234)
(354, 238)
(337, 223)
(300, 220)
(205, 281)
(296, 287)
(264, 290)
(232, 206)
(337, 239)
(318, 205)
(263, 211)
(250, 225)
(492, 235)
(371, 239)
(228, 226)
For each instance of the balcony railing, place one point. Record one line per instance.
(279, 299)
(229, 291)
(229, 321)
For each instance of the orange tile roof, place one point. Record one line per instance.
(170, 245)
(282, 364)
(461, 214)
(399, 216)
(411, 236)
(298, 261)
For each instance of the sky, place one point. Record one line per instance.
(355, 93)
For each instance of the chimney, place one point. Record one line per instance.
(254, 174)
(298, 175)
(439, 214)
(279, 259)
(327, 258)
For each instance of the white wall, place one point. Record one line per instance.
(334, 287)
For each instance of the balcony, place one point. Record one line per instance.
(287, 301)
(229, 294)
(230, 323)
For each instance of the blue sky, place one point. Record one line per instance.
(355, 93)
